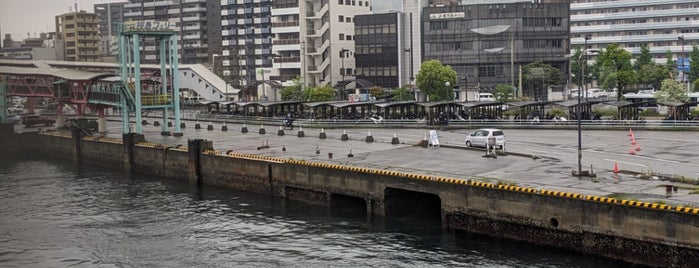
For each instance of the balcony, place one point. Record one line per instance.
(294, 41)
(285, 24)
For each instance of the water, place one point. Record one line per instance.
(61, 215)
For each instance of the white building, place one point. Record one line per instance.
(661, 24)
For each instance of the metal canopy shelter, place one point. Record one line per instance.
(627, 110)
(481, 109)
(573, 106)
(529, 109)
(679, 110)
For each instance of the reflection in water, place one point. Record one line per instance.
(57, 215)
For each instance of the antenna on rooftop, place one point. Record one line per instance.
(76, 6)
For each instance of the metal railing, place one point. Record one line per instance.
(456, 124)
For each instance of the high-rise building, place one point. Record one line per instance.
(111, 15)
(78, 31)
(663, 25)
(246, 41)
(312, 40)
(198, 25)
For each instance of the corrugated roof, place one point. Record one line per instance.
(67, 74)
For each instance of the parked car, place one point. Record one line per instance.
(35, 120)
(480, 137)
(84, 123)
(13, 119)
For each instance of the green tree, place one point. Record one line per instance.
(670, 64)
(537, 75)
(324, 93)
(377, 92)
(402, 94)
(615, 69)
(293, 92)
(432, 78)
(645, 58)
(671, 91)
(694, 64)
(652, 75)
(503, 93)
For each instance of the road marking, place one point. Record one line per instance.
(624, 162)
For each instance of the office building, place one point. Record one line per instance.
(378, 49)
(487, 43)
(79, 34)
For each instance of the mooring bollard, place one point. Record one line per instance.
(280, 132)
(197, 125)
(156, 123)
(369, 138)
(224, 127)
(244, 129)
(262, 129)
(210, 126)
(322, 134)
(301, 134)
(144, 122)
(344, 136)
(395, 139)
(183, 125)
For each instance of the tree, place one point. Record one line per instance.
(615, 69)
(645, 58)
(671, 91)
(377, 92)
(293, 92)
(432, 78)
(538, 75)
(402, 94)
(324, 93)
(652, 75)
(694, 64)
(503, 93)
(670, 64)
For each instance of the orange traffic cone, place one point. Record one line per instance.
(638, 148)
(633, 140)
(630, 132)
(631, 152)
(616, 168)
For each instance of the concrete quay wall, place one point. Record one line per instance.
(638, 232)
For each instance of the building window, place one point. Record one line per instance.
(339, 2)
(342, 36)
(341, 18)
(348, 37)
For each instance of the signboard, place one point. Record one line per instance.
(434, 139)
(149, 25)
(446, 16)
(683, 64)
(358, 97)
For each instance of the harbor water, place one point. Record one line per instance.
(57, 214)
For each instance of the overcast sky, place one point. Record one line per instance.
(19, 17)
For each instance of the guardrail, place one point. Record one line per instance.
(416, 123)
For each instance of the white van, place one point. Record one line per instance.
(486, 97)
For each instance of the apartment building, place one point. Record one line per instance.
(199, 26)
(661, 24)
(111, 15)
(246, 34)
(378, 49)
(79, 33)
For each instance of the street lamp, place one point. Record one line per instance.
(684, 58)
(343, 55)
(587, 37)
(579, 107)
(447, 84)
